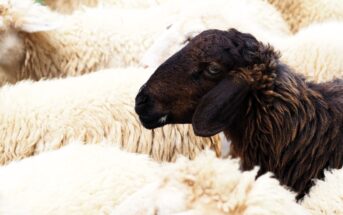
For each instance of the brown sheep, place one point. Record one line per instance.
(228, 81)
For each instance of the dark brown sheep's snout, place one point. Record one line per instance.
(144, 107)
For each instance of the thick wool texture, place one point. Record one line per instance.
(68, 6)
(315, 51)
(326, 197)
(89, 108)
(37, 43)
(209, 185)
(94, 179)
(77, 179)
(301, 13)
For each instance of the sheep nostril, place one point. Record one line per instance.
(142, 100)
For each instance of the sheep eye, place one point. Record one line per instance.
(213, 71)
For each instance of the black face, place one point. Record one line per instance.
(176, 89)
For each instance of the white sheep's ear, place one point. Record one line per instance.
(159, 50)
(28, 16)
(174, 38)
(37, 25)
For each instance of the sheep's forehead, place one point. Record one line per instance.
(206, 44)
(208, 39)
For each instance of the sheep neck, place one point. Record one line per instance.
(291, 129)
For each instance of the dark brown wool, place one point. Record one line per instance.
(228, 81)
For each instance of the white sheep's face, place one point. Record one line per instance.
(172, 40)
(19, 18)
(11, 46)
(11, 51)
(176, 36)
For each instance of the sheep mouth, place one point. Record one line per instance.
(153, 122)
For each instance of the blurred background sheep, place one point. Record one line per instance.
(38, 43)
(301, 13)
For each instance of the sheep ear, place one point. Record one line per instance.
(31, 17)
(36, 25)
(218, 108)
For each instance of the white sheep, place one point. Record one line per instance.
(316, 50)
(94, 179)
(45, 115)
(301, 13)
(77, 179)
(38, 43)
(326, 197)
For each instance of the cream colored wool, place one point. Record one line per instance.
(45, 115)
(94, 179)
(208, 185)
(326, 197)
(37, 43)
(301, 13)
(77, 179)
(68, 6)
(315, 51)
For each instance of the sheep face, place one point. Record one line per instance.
(19, 18)
(11, 46)
(197, 83)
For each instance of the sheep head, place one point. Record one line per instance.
(207, 81)
(27, 16)
(18, 17)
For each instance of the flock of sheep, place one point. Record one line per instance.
(67, 137)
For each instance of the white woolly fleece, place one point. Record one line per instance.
(326, 197)
(77, 179)
(208, 185)
(101, 179)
